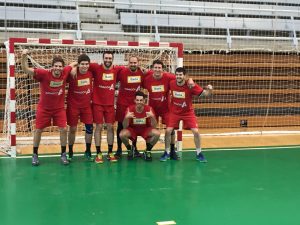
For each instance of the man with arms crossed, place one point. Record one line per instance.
(181, 108)
(140, 121)
(105, 76)
(51, 106)
(79, 105)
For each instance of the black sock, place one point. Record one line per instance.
(119, 141)
(98, 150)
(70, 148)
(35, 150)
(172, 147)
(88, 147)
(63, 149)
(110, 147)
(128, 147)
(134, 144)
(149, 146)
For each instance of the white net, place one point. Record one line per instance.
(27, 89)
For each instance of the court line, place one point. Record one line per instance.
(185, 150)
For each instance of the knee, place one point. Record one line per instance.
(72, 130)
(109, 127)
(173, 132)
(124, 134)
(169, 131)
(89, 128)
(156, 133)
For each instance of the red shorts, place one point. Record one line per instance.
(103, 114)
(144, 132)
(164, 117)
(120, 112)
(44, 117)
(73, 114)
(189, 120)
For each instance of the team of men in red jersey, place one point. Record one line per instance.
(91, 96)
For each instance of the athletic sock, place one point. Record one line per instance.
(35, 150)
(168, 150)
(149, 146)
(63, 149)
(110, 147)
(98, 150)
(172, 147)
(198, 150)
(128, 147)
(88, 147)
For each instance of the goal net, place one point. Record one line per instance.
(23, 91)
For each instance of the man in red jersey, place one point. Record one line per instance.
(130, 79)
(181, 108)
(157, 83)
(51, 106)
(79, 105)
(105, 76)
(140, 121)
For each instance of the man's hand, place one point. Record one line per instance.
(25, 52)
(129, 115)
(190, 83)
(150, 114)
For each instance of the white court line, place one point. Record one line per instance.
(166, 222)
(185, 150)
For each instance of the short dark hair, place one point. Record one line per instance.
(57, 58)
(108, 52)
(157, 61)
(140, 93)
(180, 70)
(83, 57)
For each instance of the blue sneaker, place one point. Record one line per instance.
(88, 156)
(200, 157)
(35, 160)
(164, 157)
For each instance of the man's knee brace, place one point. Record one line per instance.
(89, 128)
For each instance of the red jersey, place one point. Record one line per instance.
(158, 91)
(80, 90)
(141, 120)
(130, 83)
(104, 84)
(52, 89)
(181, 97)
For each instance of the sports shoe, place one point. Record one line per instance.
(118, 153)
(200, 157)
(35, 160)
(173, 155)
(111, 157)
(130, 153)
(64, 159)
(164, 157)
(99, 158)
(147, 156)
(70, 156)
(88, 156)
(136, 153)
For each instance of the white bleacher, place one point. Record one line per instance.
(99, 14)
(144, 19)
(67, 3)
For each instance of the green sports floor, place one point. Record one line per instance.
(236, 187)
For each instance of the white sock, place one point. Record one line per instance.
(198, 150)
(168, 150)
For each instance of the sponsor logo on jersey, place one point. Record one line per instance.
(88, 91)
(182, 105)
(60, 92)
(158, 88)
(110, 87)
(56, 83)
(134, 79)
(133, 89)
(178, 94)
(83, 82)
(139, 121)
(108, 76)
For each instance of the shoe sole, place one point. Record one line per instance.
(98, 162)
(202, 161)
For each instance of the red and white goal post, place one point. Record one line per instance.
(22, 91)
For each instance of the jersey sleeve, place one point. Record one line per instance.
(67, 70)
(197, 90)
(39, 74)
(93, 68)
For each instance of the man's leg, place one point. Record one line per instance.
(119, 141)
(151, 141)
(97, 137)
(36, 143)
(63, 144)
(110, 142)
(197, 141)
(125, 134)
(71, 141)
(88, 138)
(166, 154)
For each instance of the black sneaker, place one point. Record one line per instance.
(147, 156)
(173, 155)
(118, 153)
(136, 153)
(130, 153)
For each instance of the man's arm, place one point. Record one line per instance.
(207, 91)
(128, 116)
(24, 63)
(153, 120)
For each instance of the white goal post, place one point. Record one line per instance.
(22, 91)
